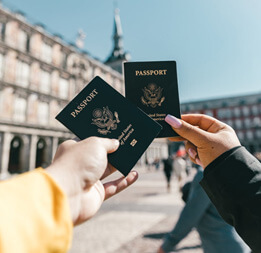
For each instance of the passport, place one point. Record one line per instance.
(153, 87)
(100, 110)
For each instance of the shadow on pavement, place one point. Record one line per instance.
(158, 236)
(188, 248)
(155, 236)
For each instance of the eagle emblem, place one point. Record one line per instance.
(105, 120)
(152, 95)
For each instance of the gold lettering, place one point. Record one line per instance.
(84, 103)
(149, 72)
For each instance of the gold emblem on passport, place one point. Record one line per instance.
(152, 95)
(105, 120)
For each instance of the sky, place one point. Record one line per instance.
(216, 44)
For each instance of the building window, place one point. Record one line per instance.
(2, 31)
(224, 113)
(247, 122)
(22, 40)
(209, 113)
(63, 88)
(19, 109)
(237, 112)
(46, 53)
(45, 82)
(238, 123)
(22, 74)
(257, 122)
(64, 60)
(230, 122)
(249, 135)
(43, 113)
(1, 66)
(255, 110)
(246, 111)
(258, 133)
(240, 135)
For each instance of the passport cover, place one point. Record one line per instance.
(100, 110)
(153, 87)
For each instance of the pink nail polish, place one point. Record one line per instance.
(192, 153)
(173, 121)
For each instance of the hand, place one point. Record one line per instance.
(206, 138)
(160, 250)
(78, 168)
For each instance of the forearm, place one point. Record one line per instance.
(233, 183)
(35, 212)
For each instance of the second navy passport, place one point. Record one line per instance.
(153, 87)
(99, 110)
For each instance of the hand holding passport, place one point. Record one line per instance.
(99, 110)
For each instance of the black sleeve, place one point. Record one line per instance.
(233, 184)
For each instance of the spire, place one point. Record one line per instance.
(117, 34)
(118, 55)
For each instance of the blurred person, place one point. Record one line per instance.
(232, 176)
(179, 166)
(167, 169)
(215, 234)
(39, 208)
(156, 163)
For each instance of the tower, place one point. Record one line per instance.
(118, 56)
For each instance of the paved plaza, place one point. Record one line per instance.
(136, 220)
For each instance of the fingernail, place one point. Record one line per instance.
(199, 162)
(192, 152)
(173, 121)
(116, 143)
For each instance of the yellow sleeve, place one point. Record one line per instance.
(34, 215)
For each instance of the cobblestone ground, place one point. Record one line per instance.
(136, 220)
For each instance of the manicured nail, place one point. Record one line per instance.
(173, 121)
(192, 153)
(199, 162)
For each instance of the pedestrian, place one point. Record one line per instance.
(232, 176)
(215, 234)
(167, 169)
(179, 166)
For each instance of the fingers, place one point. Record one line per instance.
(110, 169)
(190, 132)
(192, 152)
(176, 138)
(204, 122)
(110, 145)
(114, 187)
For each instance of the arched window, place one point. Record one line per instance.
(14, 165)
(41, 153)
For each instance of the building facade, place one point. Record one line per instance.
(39, 75)
(242, 113)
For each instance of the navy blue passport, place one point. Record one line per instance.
(100, 110)
(153, 87)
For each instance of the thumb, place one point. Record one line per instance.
(192, 133)
(110, 145)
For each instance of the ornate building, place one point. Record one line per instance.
(39, 75)
(118, 55)
(243, 113)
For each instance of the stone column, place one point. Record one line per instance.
(25, 153)
(33, 148)
(54, 146)
(5, 155)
